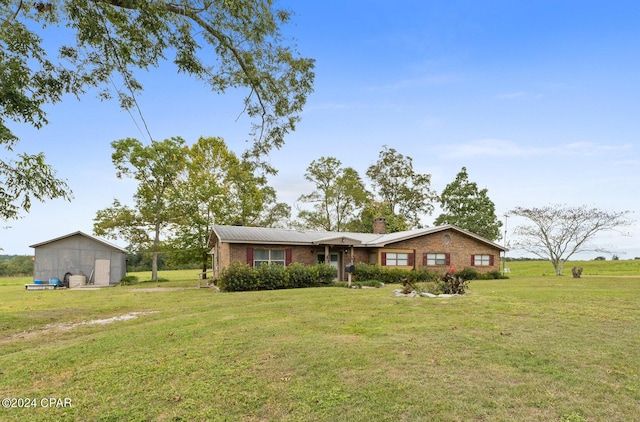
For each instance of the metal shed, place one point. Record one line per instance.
(101, 262)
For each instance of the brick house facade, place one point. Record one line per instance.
(437, 249)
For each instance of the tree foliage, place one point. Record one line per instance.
(218, 188)
(374, 209)
(227, 44)
(466, 206)
(27, 179)
(156, 168)
(182, 191)
(16, 265)
(339, 195)
(407, 193)
(57, 47)
(557, 232)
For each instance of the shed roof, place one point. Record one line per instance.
(264, 235)
(79, 233)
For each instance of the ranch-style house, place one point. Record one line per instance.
(438, 249)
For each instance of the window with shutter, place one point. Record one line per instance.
(288, 256)
(268, 256)
(481, 260)
(250, 256)
(437, 259)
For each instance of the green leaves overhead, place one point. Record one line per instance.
(227, 44)
(26, 179)
(52, 48)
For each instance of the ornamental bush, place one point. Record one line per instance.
(238, 277)
(454, 284)
(241, 277)
(301, 275)
(326, 273)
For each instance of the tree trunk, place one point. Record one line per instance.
(154, 266)
(557, 264)
(154, 259)
(204, 265)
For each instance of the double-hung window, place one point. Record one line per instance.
(436, 259)
(268, 256)
(482, 260)
(394, 259)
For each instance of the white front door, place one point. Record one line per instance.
(102, 272)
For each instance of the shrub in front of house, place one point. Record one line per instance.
(472, 274)
(386, 275)
(238, 277)
(325, 273)
(468, 273)
(241, 277)
(272, 277)
(302, 276)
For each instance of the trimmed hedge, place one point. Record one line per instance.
(240, 277)
(472, 274)
(365, 272)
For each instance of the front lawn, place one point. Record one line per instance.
(526, 349)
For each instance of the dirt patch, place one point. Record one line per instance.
(65, 326)
(125, 317)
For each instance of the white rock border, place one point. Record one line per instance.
(398, 293)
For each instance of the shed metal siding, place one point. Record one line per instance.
(76, 254)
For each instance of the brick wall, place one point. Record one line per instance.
(458, 245)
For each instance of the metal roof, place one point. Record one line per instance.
(264, 235)
(104, 242)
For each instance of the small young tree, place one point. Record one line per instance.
(558, 232)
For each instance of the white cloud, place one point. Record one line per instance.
(493, 147)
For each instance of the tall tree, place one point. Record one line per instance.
(558, 232)
(227, 44)
(396, 184)
(339, 195)
(218, 188)
(156, 168)
(468, 207)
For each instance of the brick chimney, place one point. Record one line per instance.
(379, 225)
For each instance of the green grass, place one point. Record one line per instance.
(526, 349)
(545, 268)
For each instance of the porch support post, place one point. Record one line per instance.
(351, 258)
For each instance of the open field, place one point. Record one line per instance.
(545, 268)
(527, 349)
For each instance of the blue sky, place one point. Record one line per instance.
(538, 99)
